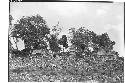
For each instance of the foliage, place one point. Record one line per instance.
(63, 41)
(81, 64)
(103, 41)
(10, 26)
(32, 30)
(10, 19)
(23, 53)
(53, 42)
(56, 29)
(82, 39)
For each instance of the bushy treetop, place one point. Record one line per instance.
(83, 38)
(30, 29)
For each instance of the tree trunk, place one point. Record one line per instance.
(15, 43)
(63, 49)
(10, 45)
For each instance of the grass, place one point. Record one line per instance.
(64, 69)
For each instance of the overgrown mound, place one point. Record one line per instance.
(90, 56)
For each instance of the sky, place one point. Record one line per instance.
(98, 17)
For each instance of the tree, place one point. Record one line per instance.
(53, 42)
(56, 29)
(103, 41)
(32, 30)
(106, 43)
(9, 33)
(63, 42)
(81, 38)
(10, 19)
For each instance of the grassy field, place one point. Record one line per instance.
(46, 68)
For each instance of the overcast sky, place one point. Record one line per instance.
(99, 17)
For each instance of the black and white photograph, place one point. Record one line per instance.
(66, 42)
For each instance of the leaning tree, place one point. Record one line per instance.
(32, 30)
